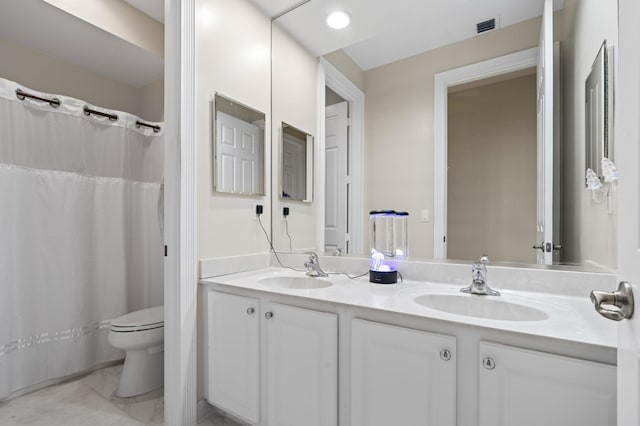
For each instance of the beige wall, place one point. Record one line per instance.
(232, 58)
(119, 18)
(399, 124)
(41, 72)
(590, 233)
(295, 93)
(152, 101)
(331, 97)
(491, 204)
(347, 67)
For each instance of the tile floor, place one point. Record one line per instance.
(90, 400)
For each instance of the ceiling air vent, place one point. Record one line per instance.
(484, 26)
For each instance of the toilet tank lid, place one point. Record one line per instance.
(139, 318)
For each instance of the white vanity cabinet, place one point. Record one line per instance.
(529, 388)
(401, 376)
(233, 354)
(293, 349)
(272, 360)
(302, 366)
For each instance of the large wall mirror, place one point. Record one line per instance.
(238, 147)
(296, 164)
(392, 58)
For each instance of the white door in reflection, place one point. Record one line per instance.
(548, 218)
(294, 176)
(239, 148)
(336, 186)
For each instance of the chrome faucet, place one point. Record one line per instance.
(313, 266)
(479, 283)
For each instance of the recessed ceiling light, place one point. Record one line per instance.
(338, 19)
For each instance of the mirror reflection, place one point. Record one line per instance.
(395, 65)
(238, 144)
(596, 119)
(297, 164)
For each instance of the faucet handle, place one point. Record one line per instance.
(479, 271)
(312, 255)
(484, 259)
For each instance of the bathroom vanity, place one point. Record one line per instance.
(285, 349)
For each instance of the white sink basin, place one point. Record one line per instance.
(296, 283)
(489, 307)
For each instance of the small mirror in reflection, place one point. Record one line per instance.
(238, 148)
(297, 164)
(596, 113)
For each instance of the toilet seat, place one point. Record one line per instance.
(146, 319)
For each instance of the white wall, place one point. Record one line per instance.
(232, 58)
(399, 124)
(294, 86)
(590, 233)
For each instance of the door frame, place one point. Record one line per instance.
(331, 77)
(180, 266)
(442, 81)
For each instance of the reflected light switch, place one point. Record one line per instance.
(424, 215)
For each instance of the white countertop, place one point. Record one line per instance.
(570, 318)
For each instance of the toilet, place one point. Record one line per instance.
(141, 335)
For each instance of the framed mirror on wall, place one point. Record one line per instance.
(238, 147)
(597, 113)
(296, 166)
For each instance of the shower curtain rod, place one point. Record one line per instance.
(89, 111)
(54, 102)
(155, 128)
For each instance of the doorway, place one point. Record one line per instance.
(492, 68)
(491, 171)
(337, 89)
(336, 148)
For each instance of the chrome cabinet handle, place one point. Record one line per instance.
(250, 311)
(445, 354)
(617, 305)
(268, 315)
(489, 363)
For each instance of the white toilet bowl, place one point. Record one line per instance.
(141, 335)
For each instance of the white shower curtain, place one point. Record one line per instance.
(80, 239)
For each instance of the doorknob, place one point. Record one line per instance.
(614, 306)
(547, 247)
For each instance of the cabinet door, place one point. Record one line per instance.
(529, 388)
(401, 376)
(233, 354)
(302, 367)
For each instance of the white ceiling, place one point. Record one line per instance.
(384, 31)
(46, 28)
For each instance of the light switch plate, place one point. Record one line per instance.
(424, 215)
